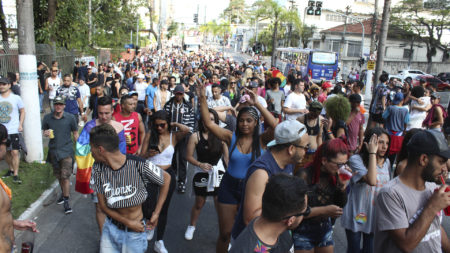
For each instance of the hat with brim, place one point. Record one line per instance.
(59, 100)
(4, 80)
(178, 89)
(287, 131)
(429, 142)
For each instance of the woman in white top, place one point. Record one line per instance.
(420, 104)
(158, 147)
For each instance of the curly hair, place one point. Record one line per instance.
(338, 108)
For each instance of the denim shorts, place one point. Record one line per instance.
(115, 240)
(230, 190)
(312, 234)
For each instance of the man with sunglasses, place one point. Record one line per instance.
(284, 204)
(288, 148)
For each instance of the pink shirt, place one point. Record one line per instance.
(322, 97)
(353, 130)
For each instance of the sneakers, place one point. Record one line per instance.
(189, 233)
(67, 209)
(17, 180)
(181, 187)
(8, 174)
(150, 234)
(159, 247)
(60, 201)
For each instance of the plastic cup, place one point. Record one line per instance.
(344, 174)
(128, 138)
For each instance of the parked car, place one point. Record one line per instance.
(431, 80)
(408, 74)
(444, 76)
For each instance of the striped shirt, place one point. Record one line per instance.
(125, 187)
(181, 113)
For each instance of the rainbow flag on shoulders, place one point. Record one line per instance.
(84, 159)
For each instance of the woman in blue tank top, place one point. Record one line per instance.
(244, 147)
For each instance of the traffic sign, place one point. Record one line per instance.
(371, 65)
(373, 57)
(129, 46)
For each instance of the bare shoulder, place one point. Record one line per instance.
(118, 126)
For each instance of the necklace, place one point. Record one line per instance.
(242, 149)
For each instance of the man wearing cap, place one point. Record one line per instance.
(409, 206)
(396, 118)
(218, 102)
(295, 105)
(288, 148)
(60, 126)
(72, 97)
(180, 111)
(326, 89)
(12, 115)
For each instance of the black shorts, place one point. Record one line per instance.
(377, 118)
(200, 183)
(15, 143)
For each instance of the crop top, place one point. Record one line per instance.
(314, 130)
(203, 153)
(125, 187)
(165, 157)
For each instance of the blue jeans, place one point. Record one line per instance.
(41, 100)
(115, 240)
(354, 242)
(313, 234)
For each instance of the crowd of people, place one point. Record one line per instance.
(282, 158)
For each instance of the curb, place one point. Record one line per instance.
(36, 206)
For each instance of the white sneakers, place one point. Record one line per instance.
(159, 247)
(150, 234)
(189, 233)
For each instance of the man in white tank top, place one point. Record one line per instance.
(52, 84)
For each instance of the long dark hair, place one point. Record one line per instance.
(154, 135)
(364, 153)
(214, 143)
(256, 146)
(403, 154)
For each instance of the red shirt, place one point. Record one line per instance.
(130, 127)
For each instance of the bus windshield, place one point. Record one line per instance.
(323, 58)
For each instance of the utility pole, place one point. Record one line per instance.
(341, 50)
(204, 17)
(137, 32)
(383, 37)
(369, 73)
(28, 80)
(290, 24)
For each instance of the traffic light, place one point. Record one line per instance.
(310, 10)
(318, 8)
(196, 18)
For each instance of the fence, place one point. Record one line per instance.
(9, 58)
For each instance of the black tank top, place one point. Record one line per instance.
(203, 153)
(314, 131)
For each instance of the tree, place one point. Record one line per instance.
(277, 14)
(236, 12)
(3, 28)
(306, 34)
(428, 20)
(152, 31)
(172, 29)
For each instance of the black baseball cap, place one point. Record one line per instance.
(178, 89)
(429, 142)
(354, 98)
(4, 80)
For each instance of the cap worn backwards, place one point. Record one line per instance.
(287, 131)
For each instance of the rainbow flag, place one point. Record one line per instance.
(277, 73)
(84, 158)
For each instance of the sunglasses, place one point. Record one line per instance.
(306, 148)
(162, 125)
(305, 213)
(54, 70)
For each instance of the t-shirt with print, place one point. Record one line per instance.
(248, 241)
(9, 112)
(381, 90)
(277, 97)
(125, 187)
(70, 94)
(295, 101)
(398, 206)
(359, 212)
(353, 130)
(222, 101)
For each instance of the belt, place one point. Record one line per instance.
(120, 225)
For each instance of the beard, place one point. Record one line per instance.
(297, 158)
(427, 173)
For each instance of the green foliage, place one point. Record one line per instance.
(236, 12)
(427, 20)
(338, 108)
(172, 29)
(112, 21)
